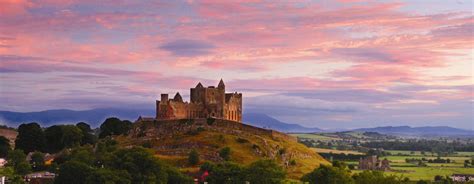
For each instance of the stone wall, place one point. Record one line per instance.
(168, 127)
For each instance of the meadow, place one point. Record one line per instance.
(398, 158)
(414, 172)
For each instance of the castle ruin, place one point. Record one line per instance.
(206, 102)
(373, 163)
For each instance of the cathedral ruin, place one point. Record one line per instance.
(206, 102)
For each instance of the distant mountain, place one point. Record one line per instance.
(64, 116)
(96, 116)
(426, 131)
(265, 121)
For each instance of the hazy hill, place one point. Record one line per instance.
(94, 116)
(419, 131)
(265, 121)
(172, 140)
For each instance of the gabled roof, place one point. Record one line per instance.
(199, 85)
(178, 97)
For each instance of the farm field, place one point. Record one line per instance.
(412, 171)
(401, 168)
(428, 173)
(323, 150)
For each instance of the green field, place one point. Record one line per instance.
(404, 152)
(412, 171)
(428, 173)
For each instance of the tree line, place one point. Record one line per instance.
(422, 145)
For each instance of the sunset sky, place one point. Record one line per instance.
(327, 64)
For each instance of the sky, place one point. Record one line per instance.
(332, 64)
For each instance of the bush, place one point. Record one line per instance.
(147, 144)
(282, 151)
(210, 121)
(242, 140)
(265, 172)
(328, 175)
(375, 177)
(292, 162)
(224, 153)
(226, 172)
(193, 157)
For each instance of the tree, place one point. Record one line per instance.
(108, 176)
(143, 167)
(59, 137)
(422, 182)
(37, 161)
(224, 153)
(264, 172)
(114, 126)
(339, 164)
(328, 175)
(193, 157)
(375, 177)
(73, 172)
(4, 146)
(17, 159)
(30, 138)
(87, 136)
(72, 136)
(84, 154)
(226, 172)
(23, 168)
(53, 135)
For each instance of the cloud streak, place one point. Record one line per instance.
(356, 60)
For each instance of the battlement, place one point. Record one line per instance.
(205, 102)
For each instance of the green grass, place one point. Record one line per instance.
(413, 172)
(469, 154)
(404, 152)
(428, 173)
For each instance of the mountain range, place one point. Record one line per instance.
(95, 117)
(426, 131)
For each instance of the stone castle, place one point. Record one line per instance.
(373, 163)
(206, 102)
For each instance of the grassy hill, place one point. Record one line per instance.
(172, 141)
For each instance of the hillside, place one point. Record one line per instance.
(172, 140)
(9, 133)
(427, 131)
(265, 121)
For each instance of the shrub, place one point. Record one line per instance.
(282, 151)
(265, 172)
(242, 140)
(147, 144)
(224, 153)
(292, 162)
(193, 157)
(328, 175)
(210, 121)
